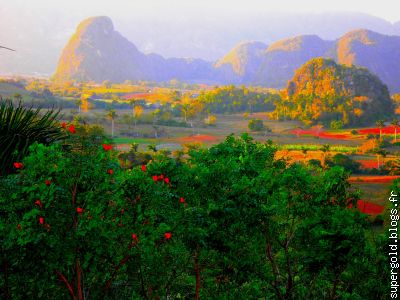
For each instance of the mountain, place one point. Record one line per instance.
(324, 91)
(96, 52)
(379, 53)
(277, 63)
(39, 30)
(282, 58)
(396, 26)
(241, 63)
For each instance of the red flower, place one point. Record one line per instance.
(161, 176)
(182, 200)
(107, 147)
(134, 236)
(110, 171)
(19, 227)
(71, 128)
(41, 220)
(166, 180)
(155, 177)
(18, 165)
(64, 125)
(167, 235)
(143, 168)
(47, 182)
(38, 203)
(79, 210)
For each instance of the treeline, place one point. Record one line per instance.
(231, 99)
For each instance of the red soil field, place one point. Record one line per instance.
(369, 208)
(199, 138)
(368, 164)
(322, 134)
(373, 179)
(136, 96)
(385, 130)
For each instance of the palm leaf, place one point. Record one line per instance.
(22, 126)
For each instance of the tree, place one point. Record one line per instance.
(137, 113)
(256, 125)
(78, 103)
(325, 150)
(111, 114)
(381, 125)
(380, 152)
(395, 124)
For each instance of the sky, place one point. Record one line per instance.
(387, 9)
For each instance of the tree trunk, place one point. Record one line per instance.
(197, 272)
(79, 285)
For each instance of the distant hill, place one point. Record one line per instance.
(241, 63)
(324, 91)
(379, 53)
(282, 58)
(97, 52)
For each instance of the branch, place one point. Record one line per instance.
(67, 284)
(119, 266)
(7, 48)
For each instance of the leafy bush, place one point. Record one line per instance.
(336, 124)
(217, 225)
(256, 125)
(344, 161)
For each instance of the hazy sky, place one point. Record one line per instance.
(388, 9)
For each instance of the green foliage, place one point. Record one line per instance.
(256, 125)
(230, 99)
(336, 124)
(20, 127)
(228, 222)
(344, 161)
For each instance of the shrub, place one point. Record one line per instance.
(336, 124)
(256, 125)
(344, 161)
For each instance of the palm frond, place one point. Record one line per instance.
(20, 127)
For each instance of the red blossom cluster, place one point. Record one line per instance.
(18, 165)
(107, 147)
(70, 128)
(157, 178)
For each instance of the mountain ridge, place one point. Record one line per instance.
(97, 52)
